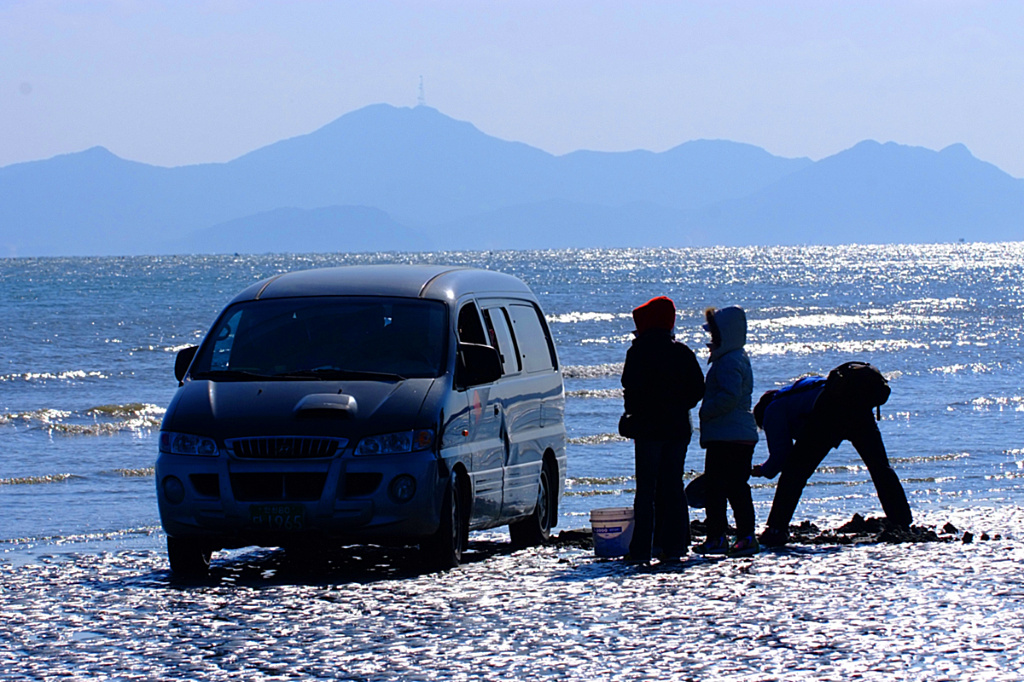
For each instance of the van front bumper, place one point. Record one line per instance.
(230, 502)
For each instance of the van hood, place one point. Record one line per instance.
(340, 409)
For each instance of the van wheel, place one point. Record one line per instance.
(188, 558)
(444, 548)
(536, 528)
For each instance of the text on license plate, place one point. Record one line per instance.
(278, 516)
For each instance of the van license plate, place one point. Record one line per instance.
(278, 516)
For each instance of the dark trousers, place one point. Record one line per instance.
(659, 506)
(810, 449)
(727, 466)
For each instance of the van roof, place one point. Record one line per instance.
(441, 282)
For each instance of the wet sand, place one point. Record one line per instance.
(865, 608)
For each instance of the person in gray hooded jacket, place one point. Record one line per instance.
(728, 433)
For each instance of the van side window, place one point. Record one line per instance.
(470, 329)
(531, 336)
(498, 329)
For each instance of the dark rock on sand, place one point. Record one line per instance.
(574, 537)
(858, 530)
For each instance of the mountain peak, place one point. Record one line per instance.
(96, 153)
(958, 150)
(378, 115)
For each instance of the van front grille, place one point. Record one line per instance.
(275, 487)
(285, 447)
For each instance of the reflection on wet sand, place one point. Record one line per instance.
(868, 609)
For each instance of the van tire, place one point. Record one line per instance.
(536, 528)
(188, 558)
(443, 550)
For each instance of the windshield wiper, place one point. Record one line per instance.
(231, 375)
(336, 373)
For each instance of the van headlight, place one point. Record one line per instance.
(187, 444)
(395, 443)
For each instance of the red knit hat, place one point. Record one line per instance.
(657, 313)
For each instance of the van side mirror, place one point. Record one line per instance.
(478, 364)
(182, 362)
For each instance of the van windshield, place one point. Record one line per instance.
(325, 338)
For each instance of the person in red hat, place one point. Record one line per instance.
(661, 382)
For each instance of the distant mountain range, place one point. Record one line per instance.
(410, 179)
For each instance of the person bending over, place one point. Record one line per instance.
(802, 423)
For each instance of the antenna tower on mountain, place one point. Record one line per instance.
(421, 101)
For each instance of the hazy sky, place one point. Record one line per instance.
(172, 82)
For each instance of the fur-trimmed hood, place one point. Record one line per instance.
(732, 329)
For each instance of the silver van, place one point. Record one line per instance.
(368, 404)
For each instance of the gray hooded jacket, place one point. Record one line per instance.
(725, 413)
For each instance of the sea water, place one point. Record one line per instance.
(87, 350)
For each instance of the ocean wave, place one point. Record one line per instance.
(868, 318)
(573, 481)
(826, 483)
(840, 469)
(1013, 403)
(95, 421)
(38, 480)
(597, 480)
(104, 428)
(127, 410)
(611, 369)
(596, 493)
(949, 304)
(604, 393)
(144, 472)
(926, 459)
(158, 348)
(859, 467)
(607, 340)
(69, 375)
(858, 347)
(931, 479)
(972, 368)
(570, 318)
(44, 416)
(594, 486)
(597, 439)
(1005, 476)
(82, 537)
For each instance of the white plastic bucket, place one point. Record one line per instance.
(613, 529)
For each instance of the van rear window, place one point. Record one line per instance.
(499, 330)
(531, 335)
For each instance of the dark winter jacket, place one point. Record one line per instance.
(785, 418)
(661, 382)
